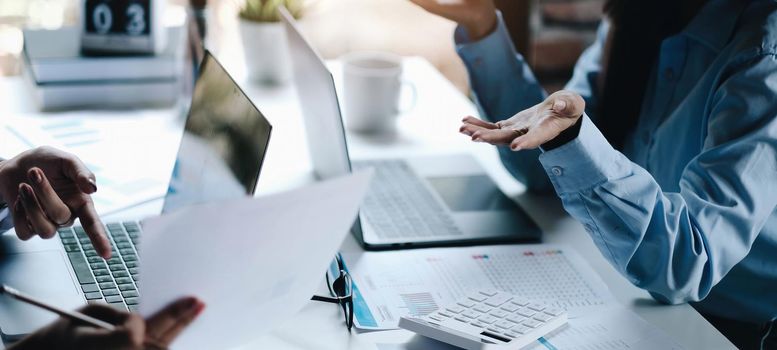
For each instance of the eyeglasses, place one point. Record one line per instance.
(340, 290)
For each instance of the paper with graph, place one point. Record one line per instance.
(389, 285)
(134, 151)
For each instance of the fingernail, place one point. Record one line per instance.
(199, 308)
(36, 174)
(94, 185)
(515, 147)
(477, 139)
(559, 105)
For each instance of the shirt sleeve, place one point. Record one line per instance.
(6, 220)
(503, 84)
(679, 245)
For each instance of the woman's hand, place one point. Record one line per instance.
(132, 331)
(45, 189)
(478, 17)
(531, 127)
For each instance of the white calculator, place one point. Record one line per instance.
(489, 319)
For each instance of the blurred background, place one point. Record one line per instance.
(550, 33)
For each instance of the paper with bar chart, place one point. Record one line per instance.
(390, 285)
(131, 156)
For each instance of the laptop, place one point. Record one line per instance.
(414, 202)
(219, 157)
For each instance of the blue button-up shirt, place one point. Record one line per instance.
(687, 210)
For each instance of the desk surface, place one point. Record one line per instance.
(429, 128)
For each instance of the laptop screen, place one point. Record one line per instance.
(223, 143)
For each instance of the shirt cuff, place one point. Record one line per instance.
(584, 162)
(493, 52)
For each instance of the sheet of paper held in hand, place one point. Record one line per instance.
(254, 262)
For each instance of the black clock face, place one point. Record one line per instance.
(128, 17)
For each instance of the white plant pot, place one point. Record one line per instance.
(266, 52)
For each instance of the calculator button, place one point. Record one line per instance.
(526, 312)
(488, 292)
(520, 301)
(532, 323)
(471, 314)
(482, 308)
(498, 299)
(466, 303)
(543, 317)
(554, 311)
(478, 324)
(520, 329)
(499, 313)
(536, 306)
(516, 318)
(436, 317)
(512, 334)
(505, 324)
(495, 329)
(444, 314)
(462, 319)
(477, 297)
(455, 309)
(487, 319)
(510, 307)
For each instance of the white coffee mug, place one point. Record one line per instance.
(372, 83)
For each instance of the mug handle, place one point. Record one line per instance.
(414, 92)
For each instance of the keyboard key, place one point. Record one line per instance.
(88, 288)
(116, 267)
(536, 306)
(505, 324)
(462, 319)
(466, 303)
(498, 299)
(477, 297)
(445, 314)
(95, 259)
(520, 301)
(488, 292)
(129, 293)
(123, 280)
(487, 319)
(119, 306)
(70, 240)
(455, 309)
(436, 318)
(127, 251)
(134, 270)
(80, 268)
(554, 311)
(114, 260)
(131, 301)
(130, 258)
(127, 287)
(101, 272)
(118, 274)
(471, 314)
(516, 318)
(482, 308)
(97, 265)
(124, 245)
(532, 323)
(520, 329)
(72, 248)
(499, 313)
(510, 307)
(478, 324)
(135, 278)
(101, 279)
(93, 295)
(512, 334)
(91, 252)
(107, 285)
(526, 312)
(133, 308)
(108, 292)
(543, 317)
(132, 264)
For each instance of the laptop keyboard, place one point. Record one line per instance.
(399, 205)
(113, 281)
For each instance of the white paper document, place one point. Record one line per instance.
(389, 285)
(254, 262)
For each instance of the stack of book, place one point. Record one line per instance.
(61, 77)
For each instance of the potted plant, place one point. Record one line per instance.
(264, 39)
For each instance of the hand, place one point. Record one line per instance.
(46, 188)
(531, 127)
(478, 17)
(132, 332)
